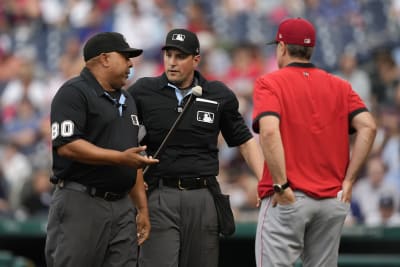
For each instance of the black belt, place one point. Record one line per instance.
(109, 196)
(185, 183)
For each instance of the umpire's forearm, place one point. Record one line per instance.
(138, 193)
(253, 156)
(83, 151)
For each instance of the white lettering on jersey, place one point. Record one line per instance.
(135, 120)
(67, 129)
(54, 130)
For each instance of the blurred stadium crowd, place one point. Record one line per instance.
(41, 43)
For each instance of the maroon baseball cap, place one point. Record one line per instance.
(296, 31)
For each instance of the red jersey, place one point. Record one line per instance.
(315, 109)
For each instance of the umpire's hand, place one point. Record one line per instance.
(133, 157)
(143, 227)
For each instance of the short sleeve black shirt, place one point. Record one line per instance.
(192, 150)
(82, 109)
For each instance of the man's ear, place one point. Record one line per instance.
(196, 60)
(104, 59)
(282, 48)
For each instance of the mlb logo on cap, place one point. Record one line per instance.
(178, 37)
(184, 40)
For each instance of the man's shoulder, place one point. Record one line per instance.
(216, 83)
(274, 75)
(72, 85)
(145, 83)
(77, 81)
(216, 87)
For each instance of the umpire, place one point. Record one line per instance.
(95, 163)
(182, 211)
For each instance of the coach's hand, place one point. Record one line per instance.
(347, 188)
(286, 198)
(134, 157)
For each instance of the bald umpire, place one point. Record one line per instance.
(96, 163)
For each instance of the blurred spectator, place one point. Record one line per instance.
(9, 62)
(23, 129)
(36, 194)
(357, 77)
(396, 98)
(4, 205)
(387, 216)
(247, 65)
(70, 63)
(54, 12)
(25, 85)
(355, 215)
(391, 144)
(232, 20)
(339, 23)
(368, 190)
(17, 170)
(140, 28)
(384, 76)
(170, 16)
(248, 183)
(241, 186)
(87, 17)
(197, 19)
(40, 158)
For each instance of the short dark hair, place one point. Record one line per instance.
(299, 51)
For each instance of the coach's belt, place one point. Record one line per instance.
(185, 183)
(109, 196)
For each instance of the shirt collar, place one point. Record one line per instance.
(165, 83)
(301, 65)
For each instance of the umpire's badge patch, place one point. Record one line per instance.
(135, 120)
(205, 116)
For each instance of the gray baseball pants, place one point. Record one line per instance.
(184, 229)
(309, 229)
(88, 231)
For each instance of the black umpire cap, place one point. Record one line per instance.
(106, 42)
(184, 40)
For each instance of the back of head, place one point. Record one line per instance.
(295, 31)
(299, 34)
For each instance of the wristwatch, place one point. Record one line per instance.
(280, 188)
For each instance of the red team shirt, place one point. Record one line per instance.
(315, 109)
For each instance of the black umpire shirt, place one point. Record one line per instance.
(192, 150)
(82, 109)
